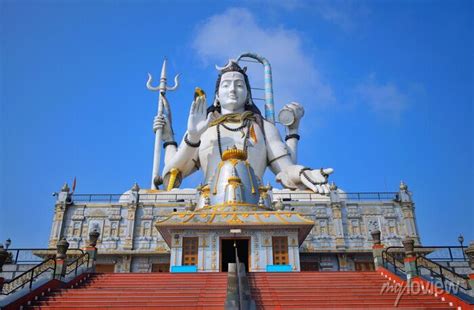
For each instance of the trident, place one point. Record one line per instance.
(162, 88)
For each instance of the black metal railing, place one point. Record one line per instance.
(28, 277)
(370, 196)
(98, 197)
(29, 256)
(430, 265)
(392, 259)
(78, 262)
(191, 197)
(444, 254)
(450, 280)
(150, 198)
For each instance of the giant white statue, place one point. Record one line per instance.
(234, 121)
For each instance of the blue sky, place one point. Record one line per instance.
(387, 87)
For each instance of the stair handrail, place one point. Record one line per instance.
(449, 248)
(78, 262)
(28, 277)
(389, 259)
(239, 280)
(444, 273)
(15, 254)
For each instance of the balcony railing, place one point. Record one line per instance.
(191, 197)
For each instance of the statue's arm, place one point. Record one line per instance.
(184, 158)
(291, 175)
(291, 140)
(278, 156)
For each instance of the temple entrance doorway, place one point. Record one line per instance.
(228, 252)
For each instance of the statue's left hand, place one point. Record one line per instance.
(316, 180)
(296, 176)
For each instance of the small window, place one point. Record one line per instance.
(190, 251)
(280, 250)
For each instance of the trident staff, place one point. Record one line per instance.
(162, 88)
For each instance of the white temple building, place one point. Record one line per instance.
(308, 224)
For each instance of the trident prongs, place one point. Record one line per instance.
(148, 83)
(176, 83)
(157, 88)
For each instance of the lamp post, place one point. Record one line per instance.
(8, 242)
(3, 256)
(461, 241)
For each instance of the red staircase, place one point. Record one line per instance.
(300, 290)
(335, 290)
(141, 290)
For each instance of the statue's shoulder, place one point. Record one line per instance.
(268, 126)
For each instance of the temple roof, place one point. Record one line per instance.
(227, 217)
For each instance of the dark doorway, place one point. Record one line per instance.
(228, 252)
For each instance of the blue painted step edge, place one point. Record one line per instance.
(183, 268)
(279, 268)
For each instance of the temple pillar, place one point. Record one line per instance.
(377, 249)
(63, 199)
(61, 264)
(336, 208)
(133, 202)
(91, 249)
(408, 210)
(411, 269)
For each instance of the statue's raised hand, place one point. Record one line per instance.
(298, 112)
(198, 120)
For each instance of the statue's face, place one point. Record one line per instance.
(232, 92)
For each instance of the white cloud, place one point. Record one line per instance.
(382, 98)
(295, 75)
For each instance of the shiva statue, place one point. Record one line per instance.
(234, 121)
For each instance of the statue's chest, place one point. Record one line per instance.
(215, 141)
(231, 135)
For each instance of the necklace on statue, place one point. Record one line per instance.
(246, 124)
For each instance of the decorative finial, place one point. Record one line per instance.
(333, 186)
(403, 186)
(135, 187)
(65, 188)
(61, 248)
(93, 236)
